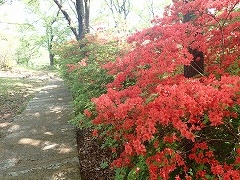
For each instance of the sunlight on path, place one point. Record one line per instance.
(39, 143)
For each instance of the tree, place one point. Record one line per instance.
(6, 1)
(119, 10)
(7, 50)
(49, 23)
(148, 11)
(2, 2)
(82, 10)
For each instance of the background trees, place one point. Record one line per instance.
(119, 11)
(45, 27)
(50, 25)
(7, 50)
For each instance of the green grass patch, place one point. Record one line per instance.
(15, 93)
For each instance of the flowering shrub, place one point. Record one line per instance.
(161, 125)
(80, 64)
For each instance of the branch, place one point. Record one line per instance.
(19, 24)
(117, 7)
(72, 7)
(67, 17)
(221, 26)
(110, 6)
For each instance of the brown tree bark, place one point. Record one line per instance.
(83, 13)
(87, 15)
(69, 20)
(50, 46)
(80, 17)
(197, 64)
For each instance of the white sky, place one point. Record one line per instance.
(12, 13)
(15, 13)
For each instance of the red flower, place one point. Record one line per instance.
(95, 132)
(128, 149)
(113, 150)
(217, 170)
(201, 174)
(139, 147)
(209, 154)
(87, 113)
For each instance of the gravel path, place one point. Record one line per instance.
(39, 143)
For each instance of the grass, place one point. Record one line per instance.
(15, 93)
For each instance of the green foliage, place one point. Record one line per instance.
(45, 27)
(7, 50)
(80, 64)
(121, 173)
(139, 172)
(104, 165)
(27, 50)
(5, 1)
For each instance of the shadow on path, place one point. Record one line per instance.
(40, 144)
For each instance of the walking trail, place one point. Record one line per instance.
(40, 144)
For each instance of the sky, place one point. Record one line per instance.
(15, 13)
(133, 19)
(12, 13)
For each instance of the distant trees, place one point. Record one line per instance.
(7, 49)
(119, 10)
(65, 19)
(5, 1)
(126, 15)
(45, 27)
(2, 2)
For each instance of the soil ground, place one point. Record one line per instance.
(39, 143)
(92, 157)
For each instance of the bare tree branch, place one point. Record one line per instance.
(151, 8)
(73, 9)
(18, 24)
(68, 18)
(119, 7)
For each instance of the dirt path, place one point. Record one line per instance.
(39, 143)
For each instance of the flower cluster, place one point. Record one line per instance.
(152, 111)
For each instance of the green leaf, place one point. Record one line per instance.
(206, 119)
(209, 177)
(104, 165)
(190, 172)
(201, 167)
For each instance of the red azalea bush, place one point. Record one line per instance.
(80, 64)
(161, 125)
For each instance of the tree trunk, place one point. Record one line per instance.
(82, 11)
(197, 64)
(51, 57)
(87, 15)
(69, 20)
(80, 17)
